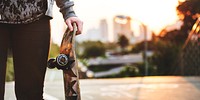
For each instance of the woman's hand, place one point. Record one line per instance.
(78, 22)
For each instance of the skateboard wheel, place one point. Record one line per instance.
(62, 60)
(51, 63)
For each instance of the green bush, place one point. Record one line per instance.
(9, 70)
(92, 49)
(129, 71)
(165, 57)
(54, 50)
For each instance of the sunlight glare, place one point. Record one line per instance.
(156, 14)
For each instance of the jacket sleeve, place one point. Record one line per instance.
(66, 8)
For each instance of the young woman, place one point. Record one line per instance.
(25, 29)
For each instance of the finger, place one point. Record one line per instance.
(69, 24)
(79, 27)
(78, 32)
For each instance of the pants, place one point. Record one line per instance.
(30, 47)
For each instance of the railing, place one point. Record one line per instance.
(190, 55)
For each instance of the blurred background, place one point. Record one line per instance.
(142, 41)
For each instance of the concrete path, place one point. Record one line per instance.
(135, 88)
(142, 88)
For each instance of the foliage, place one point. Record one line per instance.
(175, 36)
(167, 48)
(165, 57)
(187, 12)
(134, 70)
(99, 68)
(139, 47)
(54, 50)
(123, 41)
(92, 49)
(9, 70)
(152, 69)
(110, 46)
(129, 71)
(189, 8)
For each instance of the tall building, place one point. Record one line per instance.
(122, 26)
(104, 30)
(99, 33)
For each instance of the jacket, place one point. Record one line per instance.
(66, 8)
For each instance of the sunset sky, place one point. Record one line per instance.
(156, 14)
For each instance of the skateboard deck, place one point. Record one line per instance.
(67, 62)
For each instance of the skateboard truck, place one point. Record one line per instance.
(62, 61)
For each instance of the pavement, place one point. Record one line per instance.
(133, 88)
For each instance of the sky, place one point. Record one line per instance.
(156, 14)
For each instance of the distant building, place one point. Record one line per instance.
(104, 30)
(122, 26)
(99, 33)
(93, 34)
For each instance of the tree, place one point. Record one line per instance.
(123, 41)
(188, 12)
(169, 46)
(189, 8)
(165, 57)
(92, 49)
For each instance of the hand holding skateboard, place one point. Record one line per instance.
(67, 62)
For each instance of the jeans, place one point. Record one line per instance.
(29, 44)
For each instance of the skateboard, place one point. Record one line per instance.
(66, 61)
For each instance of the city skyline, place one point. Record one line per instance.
(156, 14)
